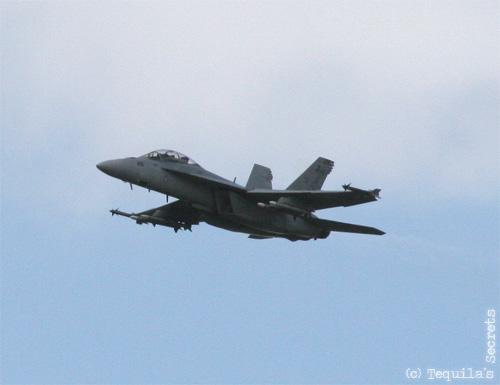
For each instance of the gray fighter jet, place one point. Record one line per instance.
(255, 209)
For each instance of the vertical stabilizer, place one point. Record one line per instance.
(314, 177)
(260, 178)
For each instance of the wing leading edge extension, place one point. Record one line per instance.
(206, 177)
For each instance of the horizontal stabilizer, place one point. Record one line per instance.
(346, 227)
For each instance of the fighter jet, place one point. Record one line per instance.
(255, 209)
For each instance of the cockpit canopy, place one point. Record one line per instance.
(170, 155)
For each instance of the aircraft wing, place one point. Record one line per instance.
(178, 214)
(316, 200)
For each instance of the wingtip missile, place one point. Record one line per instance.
(121, 213)
(144, 218)
(375, 193)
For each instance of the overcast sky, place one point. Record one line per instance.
(402, 95)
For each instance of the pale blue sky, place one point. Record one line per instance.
(402, 95)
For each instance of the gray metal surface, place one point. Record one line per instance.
(255, 209)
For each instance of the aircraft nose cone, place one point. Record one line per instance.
(103, 166)
(118, 168)
(109, 167)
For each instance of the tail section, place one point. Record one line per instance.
(260, 178)
(314, 177)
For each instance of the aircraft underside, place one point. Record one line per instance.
(259, 231)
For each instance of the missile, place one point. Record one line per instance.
(143, 218)
(121, 213)
(374, 193)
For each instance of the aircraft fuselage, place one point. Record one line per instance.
(256, 209)
(225, 208)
